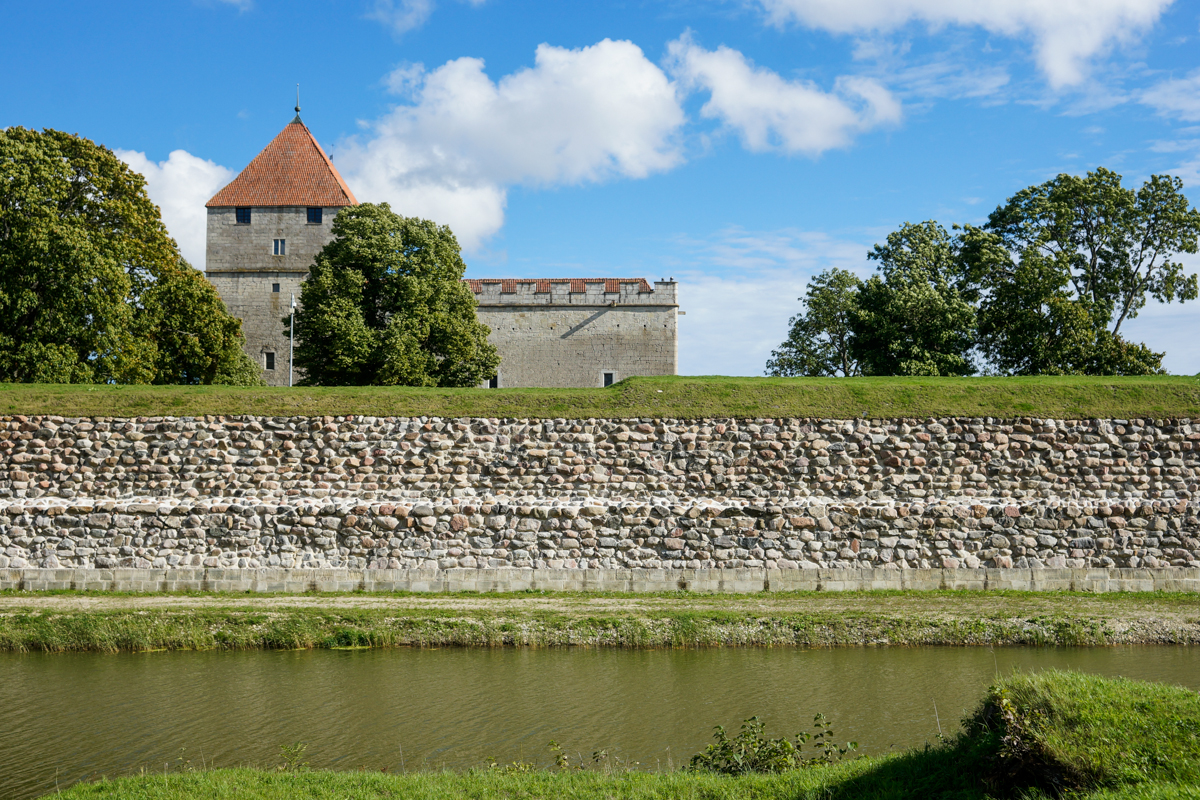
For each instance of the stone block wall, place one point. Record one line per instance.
(416, 493)
(244, 270)
(570, 339)
(239, 248)
(250, 296)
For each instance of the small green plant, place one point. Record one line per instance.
(823, 740)
(291, 755)
(514, 768)
(560, 758)
(751, 751)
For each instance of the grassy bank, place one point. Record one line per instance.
(75, 622)
(1050, 734)
(679, 397)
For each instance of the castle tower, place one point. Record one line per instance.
(264, 229)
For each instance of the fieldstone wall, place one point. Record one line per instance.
(400, 493)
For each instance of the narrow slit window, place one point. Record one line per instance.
(314, 216)
(242, 215)
(494, 382)
(609, 378)
(270, 360)
(281, 247)
(275, 288)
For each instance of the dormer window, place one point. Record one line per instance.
(242, 215)
(280, 247)
(314, 216)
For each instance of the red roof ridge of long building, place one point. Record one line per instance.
(292, 170)
(611, 285)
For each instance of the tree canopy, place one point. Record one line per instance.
(1042, 288)
(1061, 266)
(384, 304)
(818, 342)
(92, 288)
(911, 319)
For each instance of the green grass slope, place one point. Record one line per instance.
(1053, 734)
(676, 397)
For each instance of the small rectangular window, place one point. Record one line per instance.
(494, 382)
(314, 216)
(243, 216)
(270, 360)
(281, 247)
(275, 288)
(608, 378)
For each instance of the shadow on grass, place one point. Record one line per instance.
(949, 770)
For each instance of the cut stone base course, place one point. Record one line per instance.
(736, 581)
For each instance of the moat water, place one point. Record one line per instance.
(65, 718)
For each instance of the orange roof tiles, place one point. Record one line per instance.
(542, 285)
(292, 170)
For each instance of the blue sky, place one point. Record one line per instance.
(739, 146)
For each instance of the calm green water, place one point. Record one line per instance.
(72, 717)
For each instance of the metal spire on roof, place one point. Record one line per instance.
(297, 119)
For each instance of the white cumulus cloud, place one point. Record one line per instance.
(1177, 98)
(576, 116)
(1066, 34)
(769, 112)
(180, 186)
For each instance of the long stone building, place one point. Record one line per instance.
(267, 225)
(578, 331)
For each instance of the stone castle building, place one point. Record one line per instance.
(267, 225)
(264, 229)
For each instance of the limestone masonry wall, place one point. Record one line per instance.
(559, 337)
(363, 493)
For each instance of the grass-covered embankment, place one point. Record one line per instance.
(78, 622)
(1048, 734)
(676, 397)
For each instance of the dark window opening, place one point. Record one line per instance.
(281, 247)
(608, 378)
(270, 360)
(494, 382)
(243, 216)
(275, 288)
(314, 216)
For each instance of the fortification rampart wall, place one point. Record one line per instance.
(420, 494)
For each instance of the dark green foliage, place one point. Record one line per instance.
(1042, 289)
(912, 319)
(92, 289)
(1062, 265)
(818, 342)
(751, 751)
(385, 305)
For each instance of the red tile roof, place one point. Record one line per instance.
(292, 170)
(611, 285)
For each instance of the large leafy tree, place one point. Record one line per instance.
(912, 318)
(1061, 266)
(384, 304)
(818, 342)
(92, 288)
